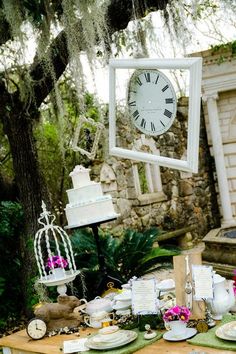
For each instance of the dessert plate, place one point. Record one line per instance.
(222, 332)
(170, 336)
(125, 337)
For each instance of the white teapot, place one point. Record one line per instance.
(97, 305)
(223, 298)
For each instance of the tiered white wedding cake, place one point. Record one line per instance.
(87, 204)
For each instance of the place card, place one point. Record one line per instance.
(203, 282)
(144, 297)
(75, 345)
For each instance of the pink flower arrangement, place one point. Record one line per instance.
(234, 278)
(56, 262)
(176, 313)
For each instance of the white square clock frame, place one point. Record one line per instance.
(194, 65)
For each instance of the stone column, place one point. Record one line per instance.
(218, 153)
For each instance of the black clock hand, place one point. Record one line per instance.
(38, 329)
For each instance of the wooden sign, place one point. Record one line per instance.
(183, 266)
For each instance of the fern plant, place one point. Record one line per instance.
(131, 255)
(11, 224)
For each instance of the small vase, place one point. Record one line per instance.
(178, 328)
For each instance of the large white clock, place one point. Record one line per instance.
(151, 101)
(152, 106)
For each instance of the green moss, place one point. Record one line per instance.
(224, 47)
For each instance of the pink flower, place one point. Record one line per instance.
(176, 313)
(176, 310)
(56, 262)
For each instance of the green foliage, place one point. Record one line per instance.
(54, 137)
(11, 221)
(142, 178)
(133, 254)
(223, 48)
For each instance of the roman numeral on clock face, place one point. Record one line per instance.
(133, 103)
(139, 81)
(147, 77)
(165, 88)
(143, 123)
(157, 79)
(167, 113)
(153, 129)
(169, 100)
(136, 114)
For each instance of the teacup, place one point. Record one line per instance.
(110, 333)
(106, 322)
(57, 273)
(95, 320)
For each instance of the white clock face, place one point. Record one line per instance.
(36, 328)
(152, 101)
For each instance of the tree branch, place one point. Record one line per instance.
(119, 13)
(5, 31)
(42, 77)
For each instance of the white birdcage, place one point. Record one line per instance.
(53, 252)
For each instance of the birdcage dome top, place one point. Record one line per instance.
(53, 252)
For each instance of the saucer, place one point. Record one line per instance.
(120, 307)
(103, 340)
(220, 333)
(123, 312)
(170, 336)
(230, 329)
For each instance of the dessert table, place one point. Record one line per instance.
(20, 343)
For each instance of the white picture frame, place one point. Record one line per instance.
(194, 66)
(99, 128)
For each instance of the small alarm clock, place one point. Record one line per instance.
(36, 328)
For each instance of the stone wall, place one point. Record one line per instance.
(177, 199)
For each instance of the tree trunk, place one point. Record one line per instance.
(32, 190)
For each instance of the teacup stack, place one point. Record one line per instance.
(122, 302)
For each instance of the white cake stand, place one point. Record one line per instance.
(97, 221)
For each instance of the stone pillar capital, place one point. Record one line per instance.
(210, 96)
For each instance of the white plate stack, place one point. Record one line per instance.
(122, 302)
(110, 337)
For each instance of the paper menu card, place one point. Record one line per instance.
(144, 297)
(203, 282)
(75, 345)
